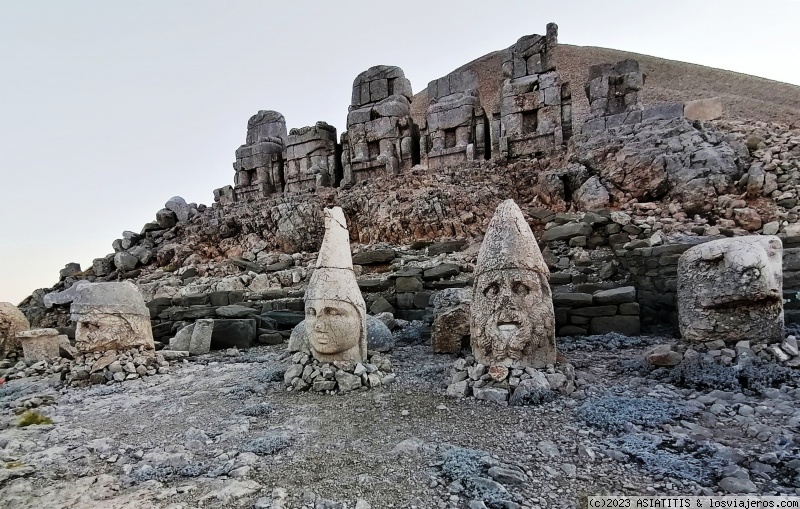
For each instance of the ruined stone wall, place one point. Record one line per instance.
(535, 115)
(457, 129)
(311, 158)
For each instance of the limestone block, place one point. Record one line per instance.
(512, 317)
(449, 329)
(731, 290)
(40, 344)
(703, 109)
(200, 341)
(110, 316)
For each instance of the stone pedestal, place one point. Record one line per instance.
(40, 344)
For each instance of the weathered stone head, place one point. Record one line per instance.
(513, 323)
(335, 310)
(731, 289)
(110, 316)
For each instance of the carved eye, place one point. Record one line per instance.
(332, 311)
(491, 290)
(520, 288)
(311, 312)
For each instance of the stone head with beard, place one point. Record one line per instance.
(513, 323)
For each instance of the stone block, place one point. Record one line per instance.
(39, 344)
(570, 300)
(622, 324)
(629, 308)
(703, 109)
(200, 341)
(442, 271)
(450, 330)
(595, 311)
(566, 232)
(616, 295)
(405, 284)
(229, 333)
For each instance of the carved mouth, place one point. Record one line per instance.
(507, 328)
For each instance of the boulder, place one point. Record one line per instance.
(229, 333)
(166, 218)
(592, 195)
(179, 206)
(124, 261)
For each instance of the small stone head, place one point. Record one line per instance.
(513, 322)
(334, 326)
(731, 289)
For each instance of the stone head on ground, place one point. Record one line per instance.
(110, 316)
(335, 309)
(731, 289)
(512, 322)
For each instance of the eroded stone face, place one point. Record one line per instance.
(731, 289)
(513, 323)
(334, 328)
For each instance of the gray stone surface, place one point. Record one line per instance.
(200, 342)
(237, 332)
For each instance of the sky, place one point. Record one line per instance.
(108, 109)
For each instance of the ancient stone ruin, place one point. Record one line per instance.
(259, 162)
(535, 106)
(661, 247)
(311, 158)
(381, 137)
(457, 127)
(110, 316)
(731, 290)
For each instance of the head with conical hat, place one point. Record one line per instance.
(335, 310)
(513, 323)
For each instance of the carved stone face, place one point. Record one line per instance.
(731, 289)
(334, 328)
(513, 319)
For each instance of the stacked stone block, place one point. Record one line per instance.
(457, 128)
(259, 162)
(535, 106)
(614, 93)
(311, 158)
(381, 137)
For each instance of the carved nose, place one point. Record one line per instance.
(319, 327)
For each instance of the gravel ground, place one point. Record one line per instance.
(222, 431)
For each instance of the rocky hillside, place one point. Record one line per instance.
(743, 96)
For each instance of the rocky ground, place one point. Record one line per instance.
(222, 431)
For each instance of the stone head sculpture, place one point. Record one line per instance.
(512, 323)
(335, 310)
(731, 289)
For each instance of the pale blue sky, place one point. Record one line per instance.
(107, 109)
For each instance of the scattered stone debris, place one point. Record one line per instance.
(306, 373)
